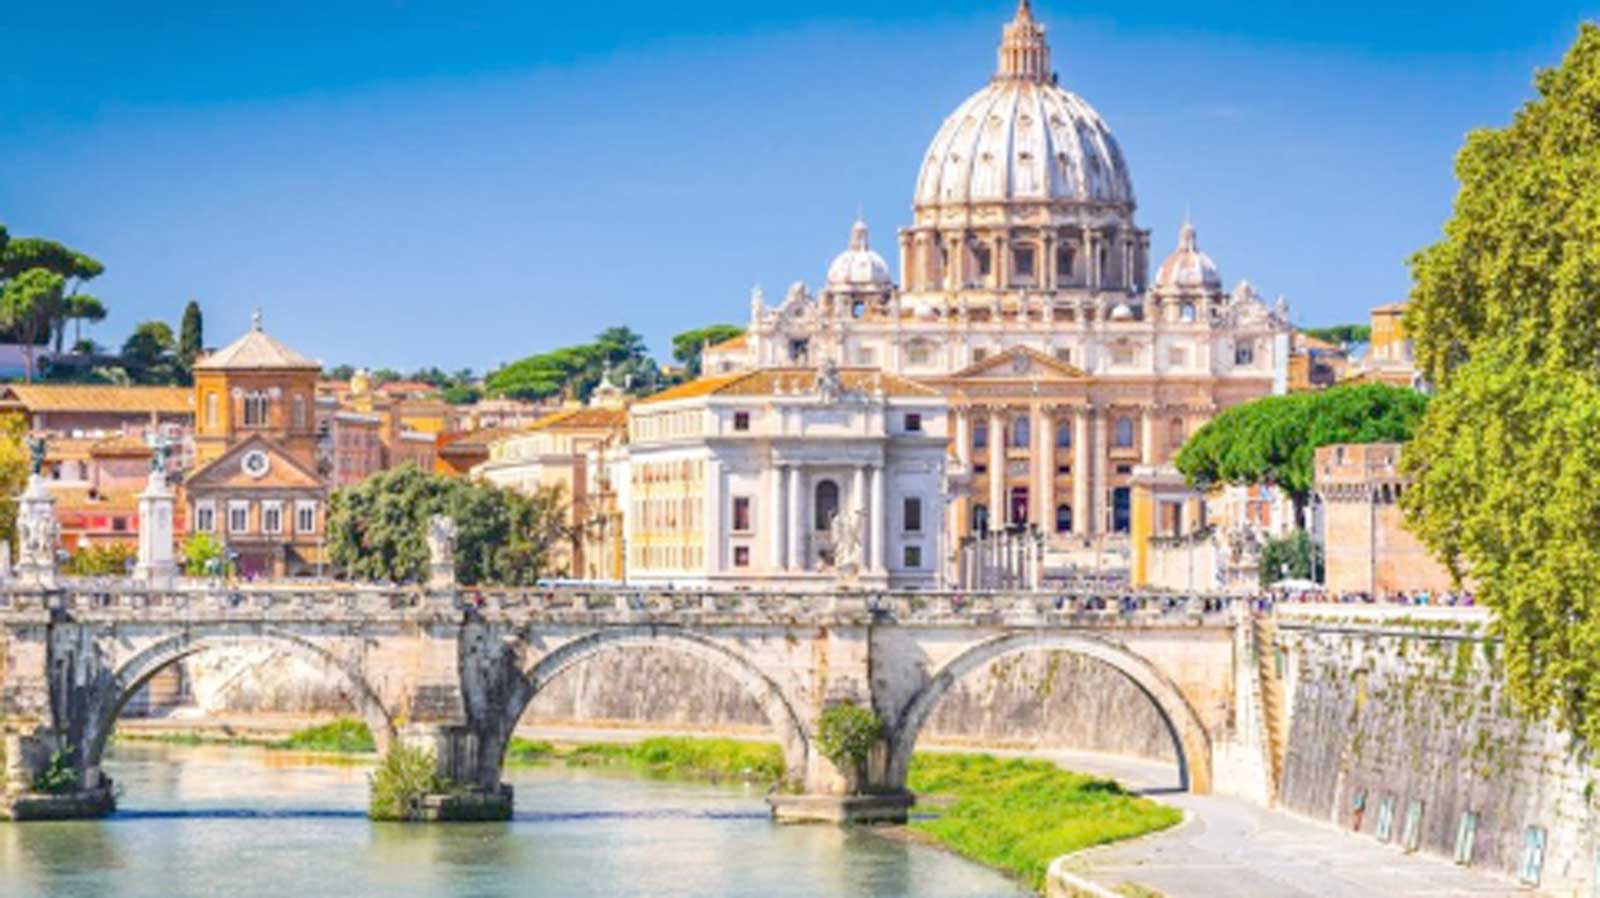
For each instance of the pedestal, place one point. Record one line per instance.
(157, 564)
(36, 534)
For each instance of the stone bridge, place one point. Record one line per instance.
(455, 669)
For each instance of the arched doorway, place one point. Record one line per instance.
(825, 505)
(1191, 743)
(1019, 506)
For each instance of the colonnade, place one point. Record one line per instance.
(793, 500)
(1098, 259)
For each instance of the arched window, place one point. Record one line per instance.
(1124, 434)
(1020, 431)
(1019, 505)
(1063, 518)
(980, 434)
(1186, 312)
(1064, 435)
(1175, 434)
(299, 412)
(980, 519)
(826, 505)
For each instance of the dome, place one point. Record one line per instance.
(1024, 138)
(859, 266)
(1188, 268)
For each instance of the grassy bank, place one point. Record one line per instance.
(1018, 815)
(718, 760)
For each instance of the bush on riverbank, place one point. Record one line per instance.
(1019, 815)
(665, 756)
(406, 776)
(345, 736)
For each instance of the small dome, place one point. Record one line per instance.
(859, 267)
(1188, 268)
(1024, 138)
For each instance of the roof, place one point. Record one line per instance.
(732, 344)
(475, 440)
(255, 350)
(127, 445)
(98, 398)
(80, 498)
(1391, 307)
(583, 419)
(791, 382)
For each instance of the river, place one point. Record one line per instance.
(251, 823)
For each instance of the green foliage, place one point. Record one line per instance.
(191, 337)
(29, 301)
(14, 463)
(202, 556)
(377, 529)
(667, 757)
(1296, 556)
(406, 776)
(1275, 439)
(1019, 815)
(344, 736)
(687, 345)
(847, 733)
(60, 775)
(1503, 319)
(456, 394)
(573, 372)
(526, 751)
(23, 254)
(1340, 333)
(150, 345)
(109, 560)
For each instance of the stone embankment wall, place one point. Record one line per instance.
(1041, 699)
(1400, 728)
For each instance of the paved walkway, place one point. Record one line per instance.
(1230, 848)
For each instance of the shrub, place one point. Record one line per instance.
(58, 777)
(406, 776)
(345, 735)
(846, 734)
(110, 560)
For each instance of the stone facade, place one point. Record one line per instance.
(1368, 547)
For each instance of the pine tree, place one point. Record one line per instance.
(190, 337)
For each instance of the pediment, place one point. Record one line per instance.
(240, 468)
(1020, 363)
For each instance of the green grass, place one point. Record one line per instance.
(1018, 815)
(667, 757)
(343, 736)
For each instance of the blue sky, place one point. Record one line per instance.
(460, 184)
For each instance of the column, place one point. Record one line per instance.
(1097, 484)
(964, 438)
(775, 517)
(1080, 472)
(1147, 436)
(796, 560)
(997, 470)
(858, 505)
(1044, 470)
(880, 520)
(1046, 266)
(999, 268)
(716, 535)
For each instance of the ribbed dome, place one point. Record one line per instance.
(859, 266)
(1188, 267)
(1024, 138)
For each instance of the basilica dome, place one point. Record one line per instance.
(1024, 138)
(1188, 268)
(858, 267)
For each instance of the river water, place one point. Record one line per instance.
(250, 823)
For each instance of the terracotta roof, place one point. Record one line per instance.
(1306, 341)
(731, 344)
(255, 350)
(98, 398)
(1391, 307)
(121, 445)
(75, 498)
(792, 381)
(476, 440)
(583, 419)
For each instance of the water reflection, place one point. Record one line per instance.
(222, 821)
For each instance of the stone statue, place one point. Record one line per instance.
(845, 534)
(160, 448)
(442, 542)
(830, 385)
(36, 449)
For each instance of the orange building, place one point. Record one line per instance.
(1368, 548)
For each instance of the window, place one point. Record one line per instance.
(1177, 357)
(919, 354)
(1186, 312)
(1244, 354)
(1063, 355)
(1022, 259)
(1063, 518)
(205, 517)
(913, 423)
(1175, 434)
(980, 254)
(238, 517)
(1064, 435)
(271, 517)
(1123, 439)
(980, 434)
(255, 410)
(119, 525)
(858, 309)
(299, 412)
(826, 505)
(798, 350)
(1121, 509)
(305, 517)
(979, 355)
(741, 421)
(1020, 432)
(912, 514)
(1124, 355)
(1019, 505)
(913, 557)
(741, 556)
(1066, 263)
(741, 514)
(211, 410)
(866, 357)
(980, 519)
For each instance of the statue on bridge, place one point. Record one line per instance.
(441, 551)
(37, 444)
(845, 535)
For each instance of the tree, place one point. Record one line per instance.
(191, 337)
(1296, 556)
(617, 345)
(1503, 319)
(15, 461)
(340, 372)
(203, 556)
(1275, 439)
(1340, 333)
(377, 529)
(687, 345)
(148, 350)
(28, 304)
(22, 254)
(80, 308)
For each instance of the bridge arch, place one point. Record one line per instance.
(775, 705)
(1189, 737)
(140, 667)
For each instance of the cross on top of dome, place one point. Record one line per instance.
(1024, 52)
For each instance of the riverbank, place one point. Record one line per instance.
(1011, 814)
